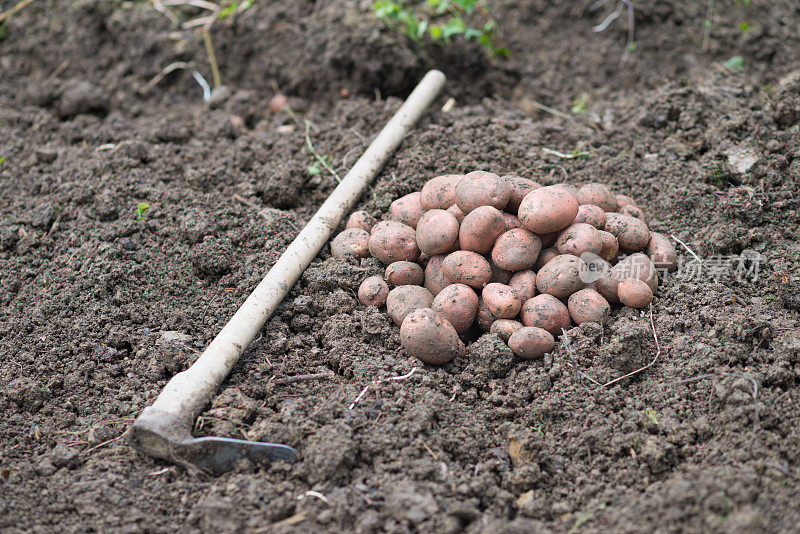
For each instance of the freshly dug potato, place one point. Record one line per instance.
(561, 277)
(437, 232)
(373, 292)
(530, 342)
(524, 283)
(549, 239)
(607, 285)
(633, 211)
(480, 228)
(392, 241)
(353, 241)
(511, 221)
(519, 188)
(407, 209)
(578, 238)
(598, 195)
(662, 252)
(624, 200)
(610, 245)
(361, 219)
(502, 300)
(427, 336)
(402, 300)
(546, 312)
(636, 266)
(457, 213)
(547, 209)
(484, 319)
(466, 267)
(501, 276)
(631, 233)
(481, 188)
(634, 293)
(404, 273)
(439, 193)
(504, 328)
(435, 279)
(587, 305)
(458, 303)
(516, 250)
(591, 214)
(545, 256)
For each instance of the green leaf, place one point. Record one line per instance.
(454, 26)
(228, 11)
(421, 29)
(2, 160)
(734, 63)
(436, 33)
(472, 33)
(501, 52)
(141, 209)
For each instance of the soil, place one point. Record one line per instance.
(101, 303)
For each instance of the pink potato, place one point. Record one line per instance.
(610, 245)
(545, 256)
(631, 233)
(591, 214)
(598, 195)
(504, 328)
(353, 241)
(662, 252)
(519, 188)
(373, 292)
(435, 279)
(633, 211)
(530, 342)
(457, 213)
(547, 209)
(466, 267)
(440, 192)
(588, 306)
(636, 266)
(546, 312)
(524, 283)
(361, 219)
(511, 221)
(437, 232)
(516, 250)
(480, 228)
(624, 200)
(481, 188)
(428, 336)
(579, 238)
(458, 303)
(502, 300)
(404, 273)
(634, 293)
(392, 241)
(407, 209)
(402, 300)
(484, 319)
(562, 276)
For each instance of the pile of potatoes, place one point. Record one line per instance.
(506, 255)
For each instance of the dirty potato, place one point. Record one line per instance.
(579, 238)
(373, 292)
(480, 228)
(404, 273)
(392, 241)
(353, 241)
(547, 209)
(631, 233)
(440, 192)
(467, 267)
(530, 342)
(435, 279)
(502, 300)
(428, 336)
(437, 232)
(662, 252)
(407, 209)
(516, 249)
(598, 195)
(458, 303)
(519, 188)
(402, 300)
(546, 312)
(481, 188)
(524, 283)
(361, 219)
(634, 293)
(587, 305)
(561, 277)
(504, 328)
(591, 214)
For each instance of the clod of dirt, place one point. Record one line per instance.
(64, 456)
(631, 345)
(213, 257)
(329, 453)
(82, 97)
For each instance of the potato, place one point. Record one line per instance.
(547, 209)
(546, 312)
(480, 228)
(407, 209)
(499, 275)
(480, 188)
(588, 306)
(392, 241)
(361, 219)
(504, 328)
(545, 256)
(578, 238)
(440, 192)
(353, 241)
(561, 277)
(571, 189)
(591, 214)
(634, 293)
(524, 283)
(598, 195)
(636, 266)
(457, 213)
(516, 250)
(519, 188)
(511, 221)
(402, 300)
(457, 303)
(502, 300)
(631, 233)
(610, 245)
(427, 336)
(466, 267)
(373, 292)
(404, 273)
(624, 200)
(530, 342)
(661, 251)
(437, 232)
(484, 319)
(633, 211)
(435, 280)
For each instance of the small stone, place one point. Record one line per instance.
(46, 154)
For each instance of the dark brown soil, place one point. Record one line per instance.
(99, 307)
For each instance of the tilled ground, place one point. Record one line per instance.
(100, 305)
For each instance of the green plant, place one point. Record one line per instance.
(2, 160)
(734, 63)
(141, 210)
(440, 21)
(579, 104)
